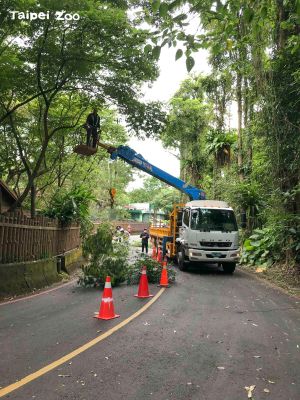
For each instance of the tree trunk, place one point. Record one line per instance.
(239, 127)
(281, 33)
(60, 161)
(32, 201)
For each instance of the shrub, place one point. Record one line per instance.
(72, 206)
(94, 274)
(153, 271)
(260, 248)
(99, 243)
(278, 241)
(106, 258)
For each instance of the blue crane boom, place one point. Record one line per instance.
(137, 160)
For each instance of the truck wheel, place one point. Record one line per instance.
(182, 264)
(228, 268)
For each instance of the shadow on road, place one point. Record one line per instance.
(211, 269)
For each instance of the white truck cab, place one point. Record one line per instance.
(208, 233)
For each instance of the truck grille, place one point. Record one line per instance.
(215, 244)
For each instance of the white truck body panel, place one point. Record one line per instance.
(212, 245)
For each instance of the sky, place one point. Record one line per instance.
(172, 73)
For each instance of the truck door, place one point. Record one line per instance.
(184, 229)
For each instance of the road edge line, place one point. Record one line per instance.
(41, 292)
(29, 378)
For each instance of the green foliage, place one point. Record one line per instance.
(247, 196)
(100, 242)
(94, 274)
(72, 206)
(219, 144)
(52, 72)
(154, 269)
(107, 258)
(158, 194)
(186, 126)
(267, 246)
(216, 140)
(164, 199)
(261, 248)
(254, 53)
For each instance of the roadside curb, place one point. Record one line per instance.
(39, 292)
(269, 283)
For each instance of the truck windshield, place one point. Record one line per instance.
(206, 220)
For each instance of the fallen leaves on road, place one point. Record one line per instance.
(271, 381)
(260, 270)
(266, 390)
(249, 390)
(256, 356)
(221, 367)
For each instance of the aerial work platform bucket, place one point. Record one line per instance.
(85, 150)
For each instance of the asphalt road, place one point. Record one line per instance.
(206, 337)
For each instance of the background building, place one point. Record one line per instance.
(143, 212)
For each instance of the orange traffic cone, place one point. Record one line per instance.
(154, 253)
(107, 310)
(164, 276)
(143, 291)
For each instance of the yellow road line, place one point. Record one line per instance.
(29, 378)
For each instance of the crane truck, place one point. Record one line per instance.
(198, 231)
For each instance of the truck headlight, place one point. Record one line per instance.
(195, 254)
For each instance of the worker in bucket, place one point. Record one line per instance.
(92, 126)
(145, 237)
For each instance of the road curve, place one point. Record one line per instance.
(207, 337)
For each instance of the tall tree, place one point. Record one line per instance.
(186, 126)
(58, 68)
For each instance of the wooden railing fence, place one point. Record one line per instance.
(136, 227)
(27, 239)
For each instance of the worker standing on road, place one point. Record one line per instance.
(145, 237)
(92, 126)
